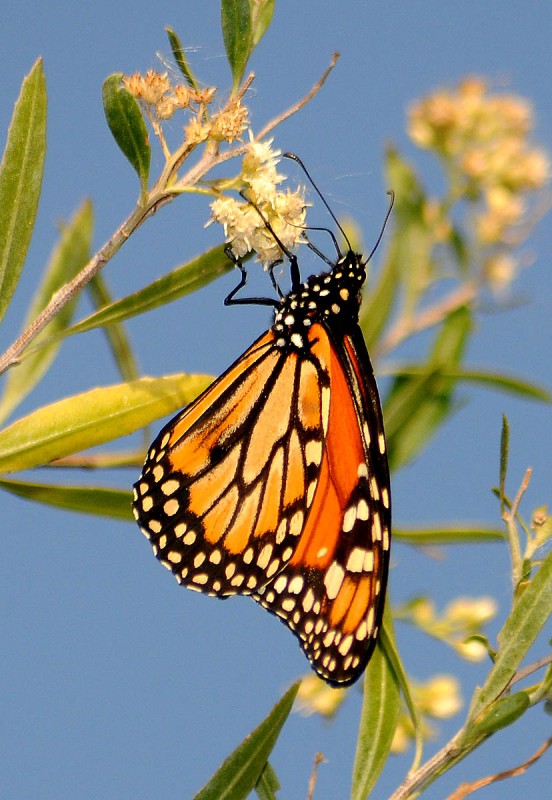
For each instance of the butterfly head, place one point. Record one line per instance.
(332, 298)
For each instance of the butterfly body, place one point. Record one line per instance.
(274, 482)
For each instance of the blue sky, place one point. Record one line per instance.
(117, 683)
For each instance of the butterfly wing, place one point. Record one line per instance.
(228, 483)
(331, 592)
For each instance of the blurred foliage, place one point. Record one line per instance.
(444, 256)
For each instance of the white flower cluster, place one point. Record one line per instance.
(271, 215)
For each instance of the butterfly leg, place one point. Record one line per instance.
(232, 300)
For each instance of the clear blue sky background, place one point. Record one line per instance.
(116, 683)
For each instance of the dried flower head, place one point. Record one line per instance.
(197, 130)
(230, 123)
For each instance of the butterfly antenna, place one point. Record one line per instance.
(320, 195)
(391, 194)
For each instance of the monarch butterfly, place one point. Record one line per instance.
(274, 482)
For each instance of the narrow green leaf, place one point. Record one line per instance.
(387, 640)
(21, 173)
(503, 469)
(238, 774)
(379, 302)
(485, 378)
(238, 36)
(115, 333)
(405, 398)
(127, 125)
(416, 406)
(268, 784)
(112, 503)
(69, 256)
(92, 418)
(184, 280)
(459, 534)
(413, 238)
(528, 617)
(179, 55)
(261, 17)
(378, 720)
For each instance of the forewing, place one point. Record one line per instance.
(332, 591)
(227, 485)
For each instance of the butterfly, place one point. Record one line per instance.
(274, 482)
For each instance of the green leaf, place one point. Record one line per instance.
(417, 405)
(69, 256)
(261, 17)
(112, 503)
(413, 241)
(379, 302)
(268, 784)
(21, 180)
(503, 469)
(127, 125)
(238, 774)
(116, 335)
(485, 378)
(92, 418)
(503, 712)
(179, 55)
(387, 639)
(237, 33)
(528, 617)
(378, 720)
(185, 279)
(457, 534)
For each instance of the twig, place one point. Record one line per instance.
(509, 518)
(236, 151)
(298, 106)
(466, 789)
(318, 759)
(530, 670)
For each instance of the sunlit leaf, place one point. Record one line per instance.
(21, 180)
(100, 501)
(69, 256)
(92, 418)
(378, 720)
(238, 774)
(127, 125)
